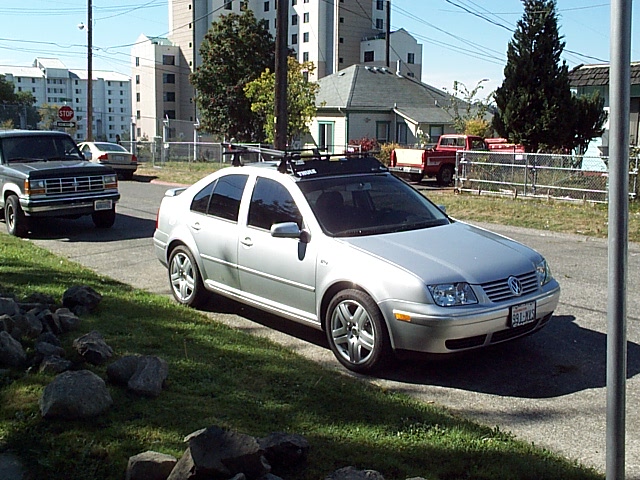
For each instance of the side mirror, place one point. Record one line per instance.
(289, 230)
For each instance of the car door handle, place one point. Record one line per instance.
(247, 242)
(195, 226)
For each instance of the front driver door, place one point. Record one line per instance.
(276, 272)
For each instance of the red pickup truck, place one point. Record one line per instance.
(440, 161)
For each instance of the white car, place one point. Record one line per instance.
(342, 245)
(116, 156)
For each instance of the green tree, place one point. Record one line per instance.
(301, 99)
(48, 114)
(16, 109)
(236, 50)
(589, 119)
(534, 102)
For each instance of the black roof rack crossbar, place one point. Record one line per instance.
(291, 161)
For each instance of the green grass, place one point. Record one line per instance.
(220, 376)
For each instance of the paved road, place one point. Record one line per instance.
(548, 388)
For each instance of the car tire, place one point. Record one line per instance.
(17, 221)
(126, 175)
(184, 278)
(104, 218)
(445, 175)
(356, 332)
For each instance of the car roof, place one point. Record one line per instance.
(32, 133)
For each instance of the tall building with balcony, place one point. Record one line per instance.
(52, 83)
(333, 34)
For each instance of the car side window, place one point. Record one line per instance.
(272, 203)
(200, 202)
(225, 199)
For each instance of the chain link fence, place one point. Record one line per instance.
(565, 177)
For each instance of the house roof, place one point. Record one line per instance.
(597, 75)
(361, 87)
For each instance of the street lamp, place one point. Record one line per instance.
(89, 115)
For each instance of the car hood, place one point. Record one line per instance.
(58, 167)
(449, 253)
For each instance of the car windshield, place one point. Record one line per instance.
(39, 147)
(360, 205)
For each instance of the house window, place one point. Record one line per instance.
(306, 1)
(305, 37)
(137, 79)
(401, 133)
(434, 132)
(294, 3)
(305, 18)
(169, 96)
(341, 40)
(341, 19)
(411, 58)
(325, 136)
(379, 24)
(227, 5)
(411, 74)
(368, 56)
(168, 78)
(294, 39)
(137, 96)
(379, 4)
(138, 114)
(305, 56)
(137, 61)
(168, 59)
(171, 114)
(294, 20)
(382, 132)
(266, 6)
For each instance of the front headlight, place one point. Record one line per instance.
(111, 181)
(453, 294)
(34, 187)
(544, 272)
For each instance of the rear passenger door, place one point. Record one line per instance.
(214, 226)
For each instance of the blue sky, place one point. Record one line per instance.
(463, 40)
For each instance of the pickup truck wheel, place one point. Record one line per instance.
(104, 218)
(356, 331)
(185, 280)
(445, 175)
(17, 221)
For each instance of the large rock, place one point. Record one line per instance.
(11, 352)
(352, 473)
(217, 453)
(54, 364)
(72, 395)
(67, 320)
(9, 306)
(150, 466)
(81, 299)
(144, 375)
(284, 449)
(93, 348)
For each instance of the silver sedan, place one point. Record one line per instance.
(346, 247)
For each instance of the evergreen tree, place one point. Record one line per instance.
(16, 109)
(235, 51)
(534, 102)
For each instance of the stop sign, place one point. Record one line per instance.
(65, 113)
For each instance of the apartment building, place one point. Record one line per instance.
(52, 83)
(333, 34)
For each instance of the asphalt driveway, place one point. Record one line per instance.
(549, 388)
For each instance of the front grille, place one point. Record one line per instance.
(66, 185)
(499, 291)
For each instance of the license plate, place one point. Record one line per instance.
(102, 205)
(523, 314)
(118, 158)
(406, 169)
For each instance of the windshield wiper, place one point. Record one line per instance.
(25, 159)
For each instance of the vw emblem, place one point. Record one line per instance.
(515, 286)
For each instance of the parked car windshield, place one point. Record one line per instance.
(39, 147)
(360, 205)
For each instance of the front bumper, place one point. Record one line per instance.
(62, 206)
(462, 328)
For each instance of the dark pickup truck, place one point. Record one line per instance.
(43, 174)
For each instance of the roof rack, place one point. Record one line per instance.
(310, 161)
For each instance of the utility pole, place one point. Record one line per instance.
(89, 115)
(282, 50)
(388, 34)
